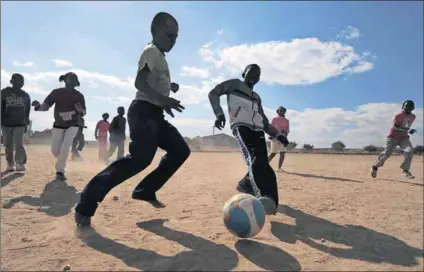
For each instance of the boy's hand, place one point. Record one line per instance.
(175, 87)
(168, 104)
(412, 131)
(220, 122)
(35, 104)
(283, 139)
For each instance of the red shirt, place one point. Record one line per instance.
(103, 127)
(403, 120)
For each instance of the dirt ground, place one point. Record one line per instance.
(332, 216)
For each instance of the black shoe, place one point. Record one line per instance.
(407, 174)
(82, 220)
(60, 176)
(152, 200)
(374, 170)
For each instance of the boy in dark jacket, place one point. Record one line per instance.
(117, 134)
(15, 109)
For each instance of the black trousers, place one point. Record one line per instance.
(78, 142)
(262, 180)
(148, 131)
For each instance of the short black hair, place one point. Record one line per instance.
(159, 19)
(63, 77)
(16, 76)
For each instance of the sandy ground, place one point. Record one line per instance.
(332, 216)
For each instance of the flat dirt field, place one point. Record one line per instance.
(332, 216)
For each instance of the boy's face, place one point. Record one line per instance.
(121, 112)
(18, 82)
(252, 75)
(166, 35)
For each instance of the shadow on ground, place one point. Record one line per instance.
(355, 242)
(57, 199)
(267, 257)
(204, 255)
(406, 182)
(5, 180)
(323, 177)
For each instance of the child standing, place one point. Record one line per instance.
(15, 109)
(148, 128)
(69, 106)
(248, 123)
(100, 133)
(281, 123)
(398, 136)
(117, 133)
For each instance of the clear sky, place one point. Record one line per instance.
(342, 69)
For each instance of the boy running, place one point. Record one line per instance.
(248, 123)
(281, 123)
(15, 109)
(117, 134)
(398, 136)
(69, 107)
(148, 128)
(100, 133)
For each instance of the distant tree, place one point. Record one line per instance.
(308, 146)
(292, 145)
(338, 146)
(370, 148)
(419, 149)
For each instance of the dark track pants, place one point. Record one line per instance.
(148, 131)
(78, 143)
(262, 179)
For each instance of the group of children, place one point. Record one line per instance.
(149, 130)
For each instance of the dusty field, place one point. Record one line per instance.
(333, 216)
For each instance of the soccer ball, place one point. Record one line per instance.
(244, 215)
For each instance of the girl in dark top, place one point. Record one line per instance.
(69, 107)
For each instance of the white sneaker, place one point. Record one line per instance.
(20, 167)
(407, 174)
(10, 168)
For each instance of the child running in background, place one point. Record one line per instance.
(100, 133)
(281, 123)
(79, 142)
(15, 109)
(248, 123)
(398, 136)
(69, 107)
(117, 134)
(147, 126)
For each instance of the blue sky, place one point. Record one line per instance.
(341, 68)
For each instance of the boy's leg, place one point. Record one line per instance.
(68, 137)
(408, 154)
(8, 147)
(262, 176)
(391, 144)
(144, 134)
(74, 149)
(271, 156)
(57, 138)
(121, 148)
(81, 142)
(112, 148)
(177, 152)
(20, 154)
(281, 160)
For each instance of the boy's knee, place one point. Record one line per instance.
(184, 153)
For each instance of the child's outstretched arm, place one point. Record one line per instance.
(48, 102)
(215, 94)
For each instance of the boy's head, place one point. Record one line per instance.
(70, 79)
(281, 111)
(164, 30)
(17, 81)
(121, 111)
(105, 116)
(252, 75)
(408, 106)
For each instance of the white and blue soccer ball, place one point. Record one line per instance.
(244, 215)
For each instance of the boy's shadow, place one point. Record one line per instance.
(363, 243)
(267, 257)
(57, 199)
(204, 254)
(6, 180)
(323, 177)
